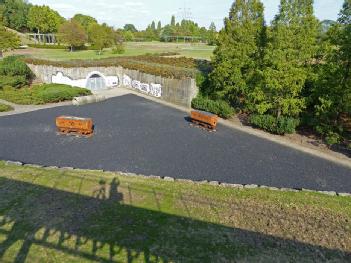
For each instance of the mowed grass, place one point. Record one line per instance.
(51, 215)
(5, 108)
(198, 51)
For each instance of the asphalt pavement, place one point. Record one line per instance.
(136, 135)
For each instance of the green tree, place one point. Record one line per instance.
(128, 36)
(15, 14)
(84, 20)
(100, 37)
(173, 21)
(153, 26)
(8, 40)
(291, 48)
(212, 34)
(237, 56)
(159, 26)
(72, 33)
(130, 27)
(43, 19)
(331, 94)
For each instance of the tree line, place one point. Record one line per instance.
(294, 71)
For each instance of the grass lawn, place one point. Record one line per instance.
(199, 51)
(41, 94)
(4, 108)
(84, 216)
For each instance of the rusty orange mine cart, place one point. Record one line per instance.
(75, 125)
(205, 119)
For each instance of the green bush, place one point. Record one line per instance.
(4, 108)
(13, 81)
(280, 125)
(221, 108)
(332, 138)
(51, 93)
(41, 94)
(119, 49)
(15, 66)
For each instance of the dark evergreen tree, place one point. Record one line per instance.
(173, 21)
(289, 54)
(237, 56)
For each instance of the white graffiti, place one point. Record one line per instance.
(156, 90)
(127, 81)
(145, 88)
(151, 89)
(136, 84)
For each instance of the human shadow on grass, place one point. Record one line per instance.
(101, 228)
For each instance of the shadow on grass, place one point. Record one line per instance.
(101, 228)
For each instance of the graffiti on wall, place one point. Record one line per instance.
(150, 89)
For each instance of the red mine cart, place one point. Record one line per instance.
(75, 125)
(205, 119)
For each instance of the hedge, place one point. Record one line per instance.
(41, 94)
(276, 125)
(5, 108)
(13, 81)
(221, 108)
(15, 66)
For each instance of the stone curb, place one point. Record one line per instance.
(171, 179)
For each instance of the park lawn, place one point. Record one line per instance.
(198, 51)
(41, 94)
(53, 215)
(5, 108)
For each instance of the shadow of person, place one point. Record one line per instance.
(115, 196)
(100, 192)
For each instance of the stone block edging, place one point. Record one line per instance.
(171, 179)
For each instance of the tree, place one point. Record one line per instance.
(130, 27)
(15, 14)
(128, 36)
(72, 33)
(291, 48)
(238, 53)
(173, 21)
(100, 37)
(43, 19)
(8, 40)
(331, 93)
(212, 34)
(153, 26)
(159, 26)
(84, 20)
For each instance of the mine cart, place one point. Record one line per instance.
(75, 125)
(205, 119)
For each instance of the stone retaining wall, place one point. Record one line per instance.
(177, 91)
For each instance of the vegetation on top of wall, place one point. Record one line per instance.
(14, 72)
(170, 67)
(42, 94)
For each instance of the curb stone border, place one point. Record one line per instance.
(171, 179)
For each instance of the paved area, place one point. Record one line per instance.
(140, 136)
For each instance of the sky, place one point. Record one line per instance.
(117, 13)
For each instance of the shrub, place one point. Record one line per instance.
(13, 81)
(51, 93)
(41, 94)
(332, 138)
(14, 66)
(280, 125)
(119, 49)
(221, 108)
(4, 108)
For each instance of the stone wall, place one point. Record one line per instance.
(177, 91)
